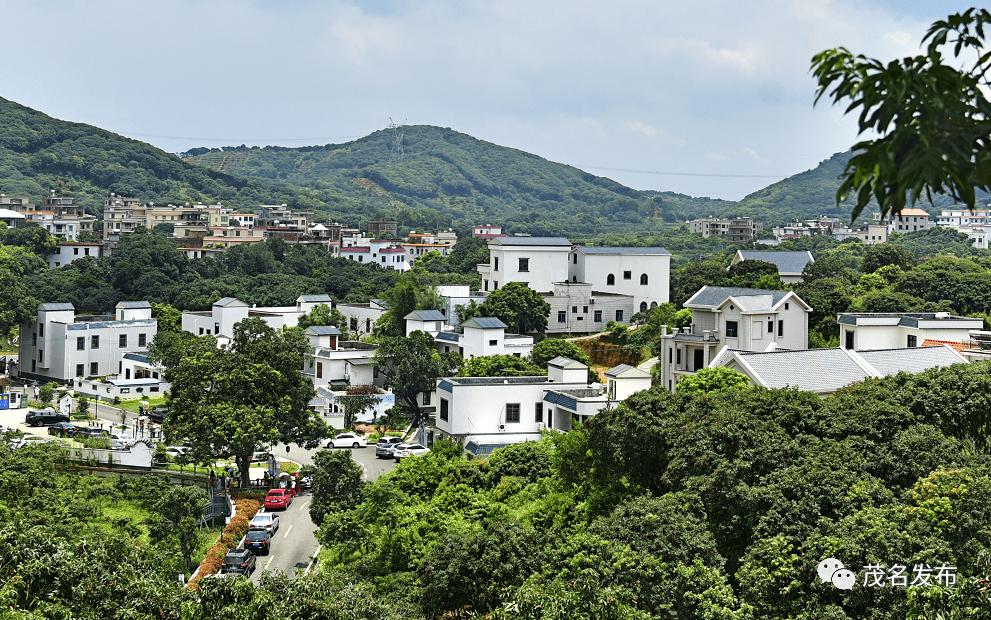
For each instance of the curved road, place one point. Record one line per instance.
(295, 544)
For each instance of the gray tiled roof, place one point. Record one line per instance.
(426, 315)
(447, 336)
(905, 319)
(315, 298)
(714, 296)
(565, 362)
(137, 357)
(226, 301)
(915, 360)
(530, 241)
(816, 370)
(620, 250)
(617, 371)
(323, 330)
(57, 307)
(130, 305)
(787, 262)
(485, 322)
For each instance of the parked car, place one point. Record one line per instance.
(62, 429)
(121, 438)
(93, 432)
(385, 446)
(44, 417)
(344, 440)
(120, 446)
(158, 415)
(32, 440)
(306, 483)
(278, 498)
(265, 521)
(239, 562)
(405, 450)
(177, 451)
(258, 541)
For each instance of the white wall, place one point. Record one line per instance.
(547, 264)
(596, 268)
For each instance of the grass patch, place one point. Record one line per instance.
(132, 404)
(131, 511)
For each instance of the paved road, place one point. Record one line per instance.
(295, 544)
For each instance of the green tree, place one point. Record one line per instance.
(337, 484)
(410, 366)
(324, 315)
(82, 405)
(549, 348)
(46, 393)
(500, 366)
(169, 318)
(359, 398)
(234, 400)
(884, 254)
(708, 380)
(932, 118)
(519, 307)
(175, 519)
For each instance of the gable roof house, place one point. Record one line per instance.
(738, 318)
(790, 264)
(482, 336)
(824, 371)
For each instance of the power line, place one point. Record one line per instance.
(687, 174)
(243, 140)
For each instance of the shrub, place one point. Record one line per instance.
(229, 539)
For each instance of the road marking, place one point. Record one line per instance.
(303, 507)
(269, 562)
(286, 535)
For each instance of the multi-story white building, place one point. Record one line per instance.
(59, 346)
(362, 317)
(875, 234)
(577, 309)
(863, 331)
(953, 218)
(908, 220)
(227, 312)
(641, 273)
(736, 230)
(490, 412)
(67, 252)
(738, 318)
(481, 336)
(538, 262)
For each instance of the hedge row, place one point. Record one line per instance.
(229, 539)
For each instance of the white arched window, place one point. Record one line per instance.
(610, 280)
(643, 279)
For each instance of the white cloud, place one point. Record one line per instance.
(640, 127)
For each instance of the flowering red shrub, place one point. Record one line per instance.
(245, 510)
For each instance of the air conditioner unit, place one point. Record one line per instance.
(502, 427)
(591, 300)
(541, 426)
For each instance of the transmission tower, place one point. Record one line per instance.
(398, 131)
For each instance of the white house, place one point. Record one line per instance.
(229, 311)
(67, 252)
(909, 219)
(862, 331)
(824, 371)
(59, 346)
(738, 318)
(537, 262)
(362, 317)
(482, 336)
(578, 309)
(790, 264)
(334, 363)
(642, 273)
(428, 321)
(490, 412)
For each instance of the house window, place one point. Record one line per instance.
(770, 326)
(643, 306)
(426, 398)
(610, 280)
(781, 329)
(849, 339)
(912, 342)
(216, 328)
(584, 309)
(538, 412)
(34, 339)
(627, 275)
(597, 316)
(496, 264)
(41, 330)
(354, 324)
(679, 358)
(486, 282)
(643, 279)
(201, 331)
(731, 329)
(562, 316)
(94, 342)
(524, 264)
(495, 285)
(574, 259)
(493, 343)
(319, 370)
(75, 251)
(80, 343)
(443, 409)
(786, 305)
(94, 368)
(41, 356)
(142, 340)
(619, 315)
(122, 340)
(574, 309)
(512, 413)
(80, 369)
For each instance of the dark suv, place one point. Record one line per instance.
(44, 417)
(239, 562)
(158, 415)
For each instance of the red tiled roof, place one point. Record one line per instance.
(957, 346)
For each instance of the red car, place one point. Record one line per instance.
(278, 498)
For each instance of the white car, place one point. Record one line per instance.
(404, 450)
(265, 521)
(121, 438)
(347, 440)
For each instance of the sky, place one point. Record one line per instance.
(707, 98)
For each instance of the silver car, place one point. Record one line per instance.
(405, 450)
(265, 521)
